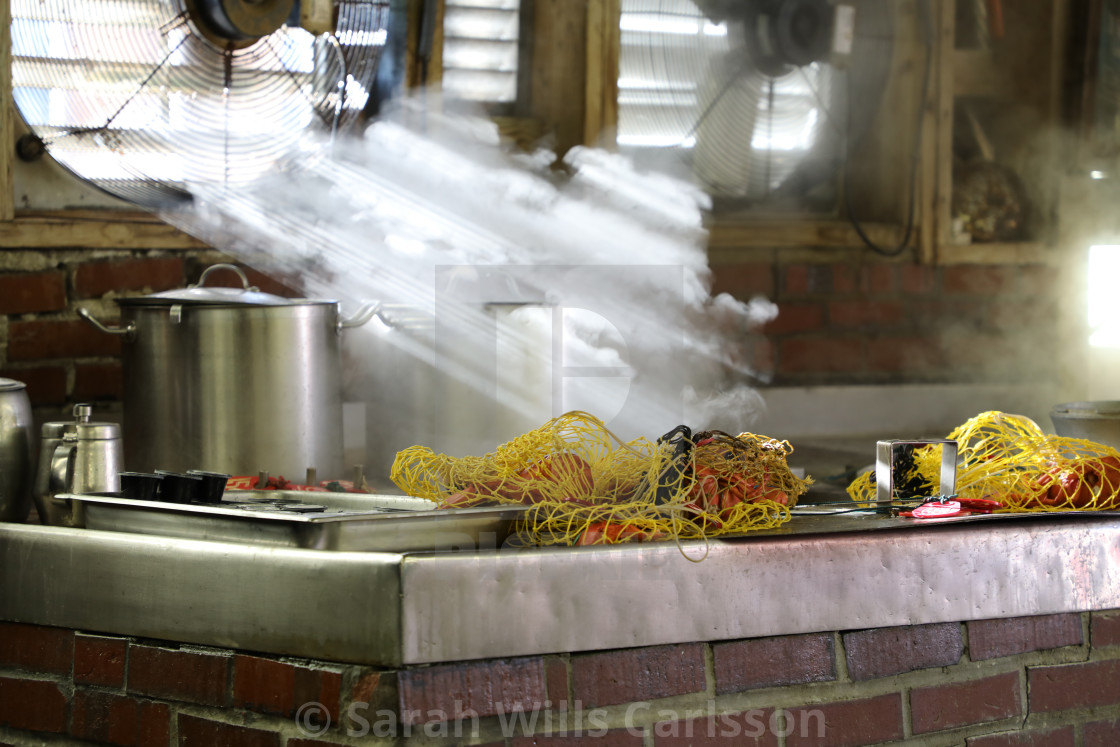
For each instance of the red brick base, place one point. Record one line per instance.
(1047, 680)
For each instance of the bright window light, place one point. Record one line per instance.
(1104, 301)
(481, 50)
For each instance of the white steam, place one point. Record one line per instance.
(511, 290)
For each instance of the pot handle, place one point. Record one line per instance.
(62, 466)
(226, 266)
(127, 332)
(368, 311)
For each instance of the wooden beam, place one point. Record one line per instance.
(1019, 253)
(7, 116)
(945, 35)
(1059, 48)
(92, 230)
(1026, 253)
(524, 132)
(603, 46)
(417, 73)
(799, 233)
(593, 91)
(558, 69)
(435, 65)
(929, 168)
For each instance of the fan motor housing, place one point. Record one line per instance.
(804, 30)
(240, 20)
(789, 33)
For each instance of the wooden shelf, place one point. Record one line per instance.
(93, 229)
(7, 115)
(1011, 253)
(1012, 86)
(798, 233)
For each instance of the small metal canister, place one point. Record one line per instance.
(76, 457)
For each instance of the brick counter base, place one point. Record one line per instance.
(1039, 681)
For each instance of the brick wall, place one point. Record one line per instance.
(60, 357)
(895, 322)
(1040, 681)
(843, 322)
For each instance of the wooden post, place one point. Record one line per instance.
(416, 76)
(7, 115)
(559, 64)
(939, 231)
(603, 46)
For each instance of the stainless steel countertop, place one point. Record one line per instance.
(396, 609)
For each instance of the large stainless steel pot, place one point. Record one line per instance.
(462, 383)
(15, 451)
(232, 380)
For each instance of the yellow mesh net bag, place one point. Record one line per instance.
(1009, 459)
(586, 486)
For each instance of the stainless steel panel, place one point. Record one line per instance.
(335, 606)
(391, 609)
(637, 595)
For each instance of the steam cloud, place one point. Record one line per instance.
(509, 290)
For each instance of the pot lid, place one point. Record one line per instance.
(208, 297)
(10, 385)
(201, 295)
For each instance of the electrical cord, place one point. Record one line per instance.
(914, 157)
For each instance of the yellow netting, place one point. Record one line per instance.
(1008, 458)
(587, 486)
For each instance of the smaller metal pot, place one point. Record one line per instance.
(76, 457)
(15, 451)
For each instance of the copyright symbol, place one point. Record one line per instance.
(313, 719)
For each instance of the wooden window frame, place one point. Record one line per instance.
(806, 237)
(38, 229)
(571, 91)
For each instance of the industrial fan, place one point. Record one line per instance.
(144, 97)
(761, 100)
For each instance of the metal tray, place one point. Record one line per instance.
(350, 522)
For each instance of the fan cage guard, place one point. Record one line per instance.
(692, 100)
(133, 97)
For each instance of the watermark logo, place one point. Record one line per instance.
(314, 719)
